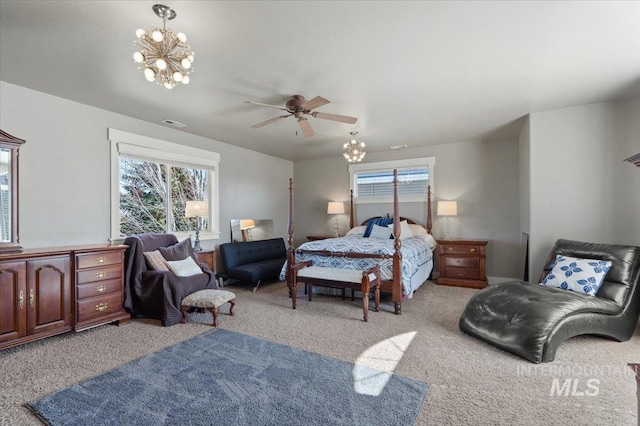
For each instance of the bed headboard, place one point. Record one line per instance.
(366, 222)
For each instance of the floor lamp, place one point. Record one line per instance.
(447, 208)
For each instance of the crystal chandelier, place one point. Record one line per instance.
(354, 149)
(164, 56)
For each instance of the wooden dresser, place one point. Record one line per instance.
(99, 286)
(50, 291)
(208, 257)
(462, 263)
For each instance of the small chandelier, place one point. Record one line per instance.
(164, 56)
(354, 149)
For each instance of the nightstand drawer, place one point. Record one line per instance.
(462, 262)
(469, 274)
(461, 249)
(96, 307)
(99, 258)
(99, 274)
(99, 288)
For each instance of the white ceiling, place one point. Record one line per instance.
(415, 73)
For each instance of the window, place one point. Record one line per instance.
(373, 182)
(151, 182)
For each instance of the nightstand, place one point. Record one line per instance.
(208, 257)
(462, 263)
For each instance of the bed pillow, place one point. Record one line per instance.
(418, 231)
(357, 230)
(185, 267)
(178, 251)
(156, 261)
(382, 221)
(583, 276)
(382, 232)
(405, 231)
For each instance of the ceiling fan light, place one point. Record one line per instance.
(182, 37)
(138, 57)
(185, 79)
(168, 85)
(140, 33)
(177, 76)
(186, 63)
(190, 56)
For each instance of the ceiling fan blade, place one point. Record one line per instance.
(316, 102)
(335, 117)
(267, 105)
(305, 126)
(273, 120)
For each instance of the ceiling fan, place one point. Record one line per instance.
(298, 107)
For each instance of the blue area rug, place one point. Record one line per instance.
(228, 378)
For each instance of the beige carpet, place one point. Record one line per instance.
(471, 382)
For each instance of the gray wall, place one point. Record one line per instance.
(64, 170)
(481, 176)
(580, 186)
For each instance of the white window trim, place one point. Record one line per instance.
(137, 145)
(390, 165)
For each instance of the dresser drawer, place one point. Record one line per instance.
(461, 249)
(95, 307)
(462, 262)
(470, 274)
(99, 274)
(98, 258)
(99, 288)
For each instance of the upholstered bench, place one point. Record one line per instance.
(210, 300)
(365, 281)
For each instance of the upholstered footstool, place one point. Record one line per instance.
(210, 300)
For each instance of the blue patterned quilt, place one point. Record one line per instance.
(417, 253)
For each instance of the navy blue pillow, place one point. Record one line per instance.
(382, 221)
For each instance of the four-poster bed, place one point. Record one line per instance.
(405, 261)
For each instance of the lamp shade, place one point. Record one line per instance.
(247, 224)
(447, 208)
(196, 209)
(335, 207)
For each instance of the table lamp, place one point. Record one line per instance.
(196, 209)
(336, 207)
(447, 208)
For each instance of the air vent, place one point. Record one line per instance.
(173, 123)
(399, 146)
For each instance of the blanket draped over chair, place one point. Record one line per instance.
(158, 294)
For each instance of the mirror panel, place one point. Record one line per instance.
(251, 229)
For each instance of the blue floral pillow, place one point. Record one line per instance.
(580, 275)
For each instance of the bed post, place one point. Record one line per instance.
(351, 221)
(397, 255)
(429, 221)
(290, 255)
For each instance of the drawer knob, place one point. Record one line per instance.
(32, 297)
(100, 259)
(21, 299)
(101, 288)
(101, 307)
(461, 274)
(472, 250)
(100, 275)
(450, 248)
